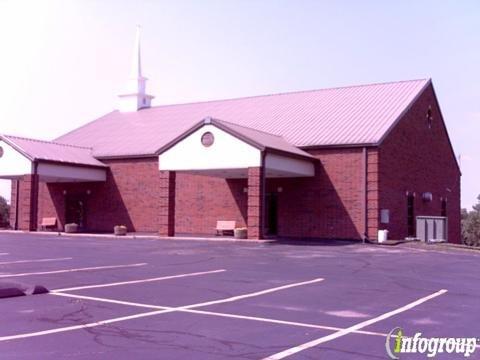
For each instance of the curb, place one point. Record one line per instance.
(8, 290)
(130, 237)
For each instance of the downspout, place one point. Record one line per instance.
(365, 195)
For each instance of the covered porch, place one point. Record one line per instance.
(27, 163)
(255, 160)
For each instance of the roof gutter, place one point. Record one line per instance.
(71, 164)
(16, 147)
(337, 146)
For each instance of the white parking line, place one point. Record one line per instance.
(103, 322)
(73, 270)
(258, 293)
(340, 333)
(3, 254)
(219, 314)
(33, 261)
(139, 281)
(111, 301)
(83, 326)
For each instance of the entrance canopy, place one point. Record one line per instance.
(52, 162)
(222, 149)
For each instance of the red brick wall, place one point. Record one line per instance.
(202, 200)
(166, 205)
(132, 196)
(13, 203)
(329, 205)
(27, 208)
(326, 206)
(418, 159)
(372, 193)
(256, 198)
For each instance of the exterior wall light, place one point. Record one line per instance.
(427, 196)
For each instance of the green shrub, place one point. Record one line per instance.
(471, 225)
(4, 212)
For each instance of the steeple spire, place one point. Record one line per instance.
(137, 56)
(135, 96)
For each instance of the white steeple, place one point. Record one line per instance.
(135, 97)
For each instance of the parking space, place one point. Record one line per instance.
(150, 298)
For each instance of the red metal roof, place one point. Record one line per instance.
(341, 116)
(51, 151)
(262, 139)
(257, 138)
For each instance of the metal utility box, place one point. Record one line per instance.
(432, 228)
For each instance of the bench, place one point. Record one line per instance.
(48, 222)
(225, 226)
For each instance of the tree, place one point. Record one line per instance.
(477, 206)
(4, 211)
(471, 225)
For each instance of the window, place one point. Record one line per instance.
(384, 216)
(411, 214)
(444, 208)
(1, 151)
(429, 117)
(207, 139)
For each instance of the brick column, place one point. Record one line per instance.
(13, 205)
(256, 199)
(167, 203)
(27, 203)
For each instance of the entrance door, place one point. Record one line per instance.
(271, 213)
(75, 210)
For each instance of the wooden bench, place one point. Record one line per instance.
(48, 222)
(225, 226)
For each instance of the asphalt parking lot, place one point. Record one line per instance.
(178, 299)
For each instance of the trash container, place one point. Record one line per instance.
(382, 235)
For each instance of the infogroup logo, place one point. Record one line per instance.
(397, 343)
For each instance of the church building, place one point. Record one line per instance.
(339, 163)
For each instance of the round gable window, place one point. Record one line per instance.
(207, 139)
(1, 151)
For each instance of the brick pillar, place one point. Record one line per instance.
(13, 205)
(167, 203)
(27, 203)
(256, 197)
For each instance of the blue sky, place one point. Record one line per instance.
(64, 62)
